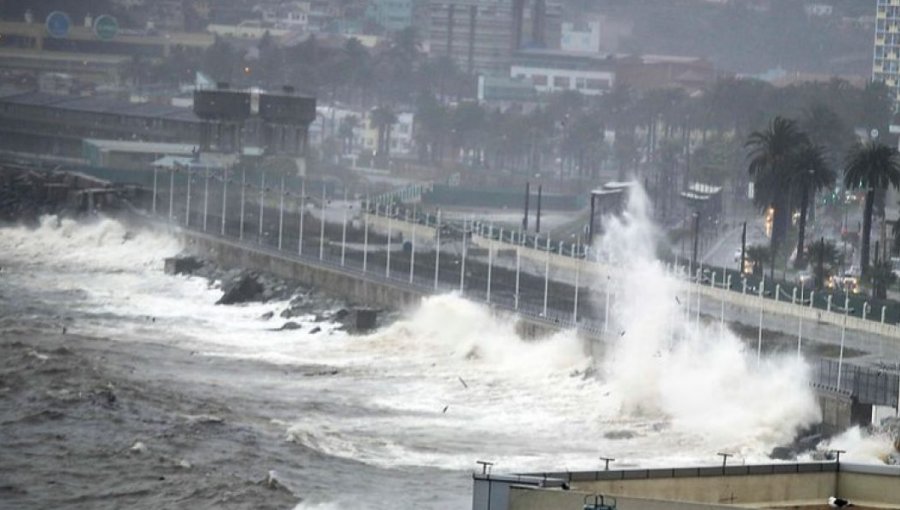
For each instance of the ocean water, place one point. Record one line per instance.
(398, 418)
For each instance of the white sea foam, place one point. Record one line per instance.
(452, 382)
(861, 446)
(697, 375)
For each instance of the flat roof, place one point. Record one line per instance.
(137, 146)
(101, 104)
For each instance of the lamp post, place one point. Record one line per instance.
(224, 198)
(262, 202)
(243, 191)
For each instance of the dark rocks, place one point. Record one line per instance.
(365, 319)
(315, 330)
(358, 320)
(782, 453)
(806, 440)
(182, 265)
(290, 326)
(246, 289)
(619, 434)
(266, 316)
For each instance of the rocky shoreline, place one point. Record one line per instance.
(246, 286)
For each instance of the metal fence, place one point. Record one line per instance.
(866, 385)
(284, 219)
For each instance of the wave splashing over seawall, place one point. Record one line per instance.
(699, 376)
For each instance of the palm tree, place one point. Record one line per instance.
(825, 256)
(383, 120)
(345, 131)
(772, 153)
(880, 277)
(871, 166)
(811, 174)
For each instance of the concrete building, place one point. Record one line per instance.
(481, 35)
(886, 63)
(401, 137)
(723, 487)
(292, 15)
(556, 71)
(580, 36)
(392, 15)
(56, 125)
(644, 72)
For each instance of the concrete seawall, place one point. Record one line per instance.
(340, 282)
(344, 282)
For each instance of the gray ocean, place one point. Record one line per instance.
(122, 386)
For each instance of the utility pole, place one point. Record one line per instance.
(743, 247)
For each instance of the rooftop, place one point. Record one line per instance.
(101, 104)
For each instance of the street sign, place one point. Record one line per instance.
(106, 27)
(58, 24)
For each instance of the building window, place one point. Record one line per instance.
(597, 84)
(539, 80)
(562, 82)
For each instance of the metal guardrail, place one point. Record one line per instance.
(869, 386)
(866, 385)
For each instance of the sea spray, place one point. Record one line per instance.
(861, 446)
(661, 362)
(101, 243)
(447, 325)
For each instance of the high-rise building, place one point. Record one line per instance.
(481, 35)
(393, 15)
(886, 64)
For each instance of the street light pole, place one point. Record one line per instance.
(843, 334)
(243, 191)
(262, 202)
(205, 195)
(322, 224)
(412, 251)
(281, 214)
(762, 287)
(171, 193)
(437, 252)
(490, 261)
(546, 271)
(344, 230)
(224, 197)
(153, 207)
(302, 215)
(187, 207)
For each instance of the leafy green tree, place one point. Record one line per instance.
(871, 166)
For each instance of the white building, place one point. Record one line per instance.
(557, 71)
(886, 63)
(583, 36)
(366, 135)
(293, 15)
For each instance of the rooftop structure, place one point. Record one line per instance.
(556, 70)
(886, 62)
